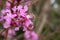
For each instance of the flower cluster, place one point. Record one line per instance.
(17, 17)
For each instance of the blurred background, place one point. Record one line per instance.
(46, 18)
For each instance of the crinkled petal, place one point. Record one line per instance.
(25, 8)
(16, 28)
(11, 32)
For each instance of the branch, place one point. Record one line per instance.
(44, 13)
(1, 31)
(18, 37)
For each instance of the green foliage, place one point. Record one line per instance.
(1, 38)
(20, 31)
(58, 1)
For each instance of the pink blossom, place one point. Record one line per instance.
(25, 8)
(17, 19)
(6, 25)
(27, 34)
(11, 32)
(15, 2)
(19, 7)
(1, 18)
(7, 4)
(28, 24)
(8, 18)
(7, 11)
(34, 36)
(7, 22)
(3, 12)
(16, 28)
(22, 13)
(24, 28)
(14, 9)
(30, 35)
(29, 16)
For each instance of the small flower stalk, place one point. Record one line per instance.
(14, 16)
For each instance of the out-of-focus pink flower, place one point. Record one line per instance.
(27, 34)
(14, 9)
(11, 32)
(24, 28)
(7, 18)
(1, 18)
(16, 28)
(0, 0)
(6, 25)
(30, 35)
(7, 22)
(19, 7)
(3, 12)
(13, 16)
(16, 18)
(28, 25)
(25, 8)
(34, 36)
(8, 4)
(29, 16)
(22, 13)
(8, 11)
(15, 2)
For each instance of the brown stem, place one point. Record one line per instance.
(44, 13)
(1, 31)
(6, 34)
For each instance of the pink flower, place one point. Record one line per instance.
(15, 2)
(27, 35)
(24, 28)
(16, 28)
(28, 25)
(17, 19)
(1, 18)
(13, 16)
(6, 25)
(8, 18)
(8, 4)
(34, 36)
(14, 9)
(25, 8)
(11, 32)
(3, 12)
(30, 35)
(19, 7)
(29, 16)
(8, 11)
(22, 13)
(7, 22)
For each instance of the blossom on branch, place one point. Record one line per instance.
(16, 17)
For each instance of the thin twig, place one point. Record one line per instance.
(6, 35)
(1, 31)
(44, 12)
